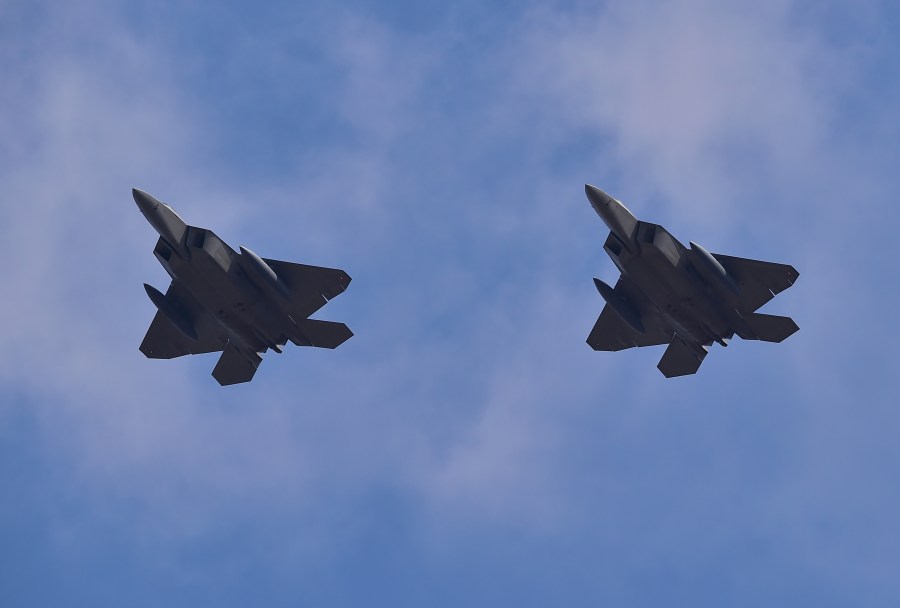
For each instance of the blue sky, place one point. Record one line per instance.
(466, 447)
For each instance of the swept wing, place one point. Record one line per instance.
(310, 286)
(165, 341)
(612, 333)
(757, 281)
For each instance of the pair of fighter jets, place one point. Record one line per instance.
(242, 305)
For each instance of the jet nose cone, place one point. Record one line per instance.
(596, 195)
(145, 202)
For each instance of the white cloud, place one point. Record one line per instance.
(684, 93)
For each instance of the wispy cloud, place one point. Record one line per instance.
(694, 100)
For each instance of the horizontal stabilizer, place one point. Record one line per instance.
(321, 334)
(768, 328)
(680, 359)
(235, 366)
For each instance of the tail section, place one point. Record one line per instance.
(681, 358)
(768, 328)
(235, 366)
(321, 334)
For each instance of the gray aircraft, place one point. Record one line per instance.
(238, 303)
(686, 298)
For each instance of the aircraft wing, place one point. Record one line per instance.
(311, 286)
(612, 333)
(165, 341)
(757, 281)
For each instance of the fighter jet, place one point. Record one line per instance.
(237, 303)
(686, 298)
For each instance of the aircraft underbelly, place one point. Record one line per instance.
(235, 307)
(678, 298)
